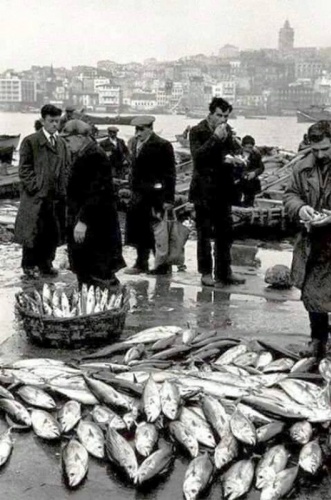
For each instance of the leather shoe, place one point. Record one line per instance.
(233, 279)
(135, 270)
(161, 270)
(31, 273)
(207, 280)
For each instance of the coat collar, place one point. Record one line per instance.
(308, 165)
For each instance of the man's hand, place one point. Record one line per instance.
(323, 219)
(80, 232)
(221, 131)
(306, 213)
(168, 206)
(250, 176)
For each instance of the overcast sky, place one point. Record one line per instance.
(72, 32)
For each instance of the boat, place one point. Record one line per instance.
(8, 144)
(313, 114)
(110, 120)
(255, 117)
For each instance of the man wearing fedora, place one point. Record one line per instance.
(117, 151)
(152, 180)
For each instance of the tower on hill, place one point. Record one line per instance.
(286, 38)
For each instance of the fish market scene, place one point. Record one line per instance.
(165, 250)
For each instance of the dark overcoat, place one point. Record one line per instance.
(91, 200)
(153, 166)
(212, 179)
(43, 172)
(119, 154)
(255, 165)
(311, 265)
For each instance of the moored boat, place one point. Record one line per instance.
(110, 120)
(313, 114)
(9, 141)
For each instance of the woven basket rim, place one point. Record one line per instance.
(52, 319)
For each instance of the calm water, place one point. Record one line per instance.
(284, 132)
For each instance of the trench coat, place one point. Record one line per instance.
(43, 172)
(91, 200)
(212, 180)
(153, 165)
(311, 264)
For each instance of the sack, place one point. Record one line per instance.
(178, 236)
(161, 236)
(170, 238)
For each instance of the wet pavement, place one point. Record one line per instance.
(249, 311)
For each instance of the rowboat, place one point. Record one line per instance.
(8, 144)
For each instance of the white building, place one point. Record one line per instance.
(225, 89)
(109, 96)
(100, 82)
(143, 101)
(14, 90)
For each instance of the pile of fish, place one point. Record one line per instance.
(249, 414)
(59, 304)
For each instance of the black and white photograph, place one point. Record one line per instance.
(165, 250)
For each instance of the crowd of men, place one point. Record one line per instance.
(67, 195)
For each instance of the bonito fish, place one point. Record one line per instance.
(6, 446)
(273, 461)
(238, 479)
(75, 462)
(197, 476)
(121, 453)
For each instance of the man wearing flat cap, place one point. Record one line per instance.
(152, 179)
(93, 231)
(117, 152)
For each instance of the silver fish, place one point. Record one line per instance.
(107, 394)
(238, 479)
(264, 359)
(36, 397)
(4, 393)
(247, 359)
(226, 450)
(185, 437)
(325, 369)
(302, 392)
(91, 436)
(301, 432)
(120, 452)
(242, 428)
(189, 335)
(69, 415)
(45, 425)
(83, 396)
(215, 414)
(146, 437)
(199, 427)
(16, 410)
(271, 463)
(310, 458)
(151, 400)
(6, 446)
(269, 431)
(170, 399)
(75, 462)
(133, 353)
(281, 485)
(36, 362)
(279, 365)
(153, 334)
(303, 365)
(231, 354)
(197, 476)
(105, 416)
(155, 464)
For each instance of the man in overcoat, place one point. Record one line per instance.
(117, 150)
(43, 167)
(212, 192)
(308, 202)
(152, 179)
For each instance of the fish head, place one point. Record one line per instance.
(269, 493)
(74, 474)
(191, 488)
(265, 477)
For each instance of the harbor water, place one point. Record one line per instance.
(283, 132)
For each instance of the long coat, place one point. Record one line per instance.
(212, 179)
(311, 265)
(43, 174)
(154, 165)
(91, 200)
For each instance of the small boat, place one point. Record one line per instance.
(8, 144)
(255, 117)
(110, 120)
(313, 114)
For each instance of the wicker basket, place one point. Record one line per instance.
(80, 331)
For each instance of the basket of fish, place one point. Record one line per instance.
(72, 318)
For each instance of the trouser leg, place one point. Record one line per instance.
(29, 257)
(142, 257)
(223, 243)
(204, 251)
(46, 242)
(319, 324)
